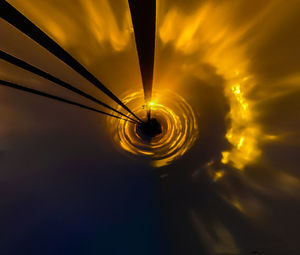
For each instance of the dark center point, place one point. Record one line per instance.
(149, 129)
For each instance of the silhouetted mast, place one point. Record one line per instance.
(143, 14)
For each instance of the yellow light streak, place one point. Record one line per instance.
(178, 123)
(207, 33)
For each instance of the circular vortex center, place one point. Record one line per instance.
(170, 132)
(149, 129)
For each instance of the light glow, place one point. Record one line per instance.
(178, 123)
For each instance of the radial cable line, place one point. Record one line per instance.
(143, 15)
(18, 20)
(37, 92)
(24, 65)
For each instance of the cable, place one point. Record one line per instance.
(22, 64)
(36, 92)
(18, 20)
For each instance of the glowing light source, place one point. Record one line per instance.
(178, 124)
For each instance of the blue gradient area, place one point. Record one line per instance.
(75, 210)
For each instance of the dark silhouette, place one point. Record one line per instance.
(149, 129)
(18, 20)
(36, 92)
(143, 14)
(20, 63)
